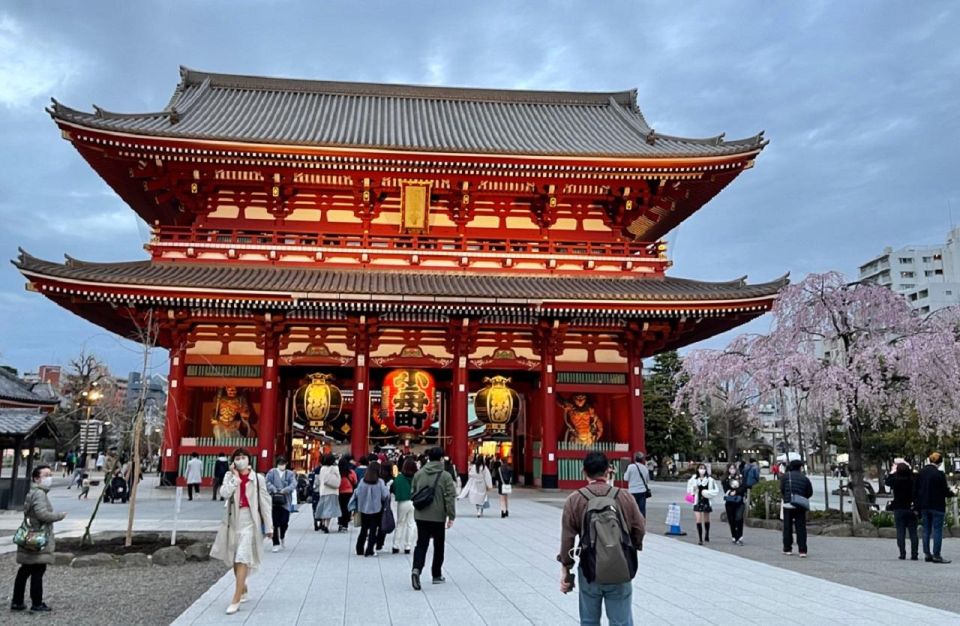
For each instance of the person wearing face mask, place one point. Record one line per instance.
(700, 488)
(281, 483)
(246, 515)
(38, 515)
(734, 500)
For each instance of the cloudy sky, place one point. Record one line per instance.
(859, 100)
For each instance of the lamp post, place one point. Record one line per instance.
(89, 397)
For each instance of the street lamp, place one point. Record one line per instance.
(89, 397)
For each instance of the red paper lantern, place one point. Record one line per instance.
(409, 401)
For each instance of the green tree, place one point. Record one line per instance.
(667, 431)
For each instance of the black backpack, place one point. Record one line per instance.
(607, 555)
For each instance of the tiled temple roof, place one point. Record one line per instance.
(207, 106)
(411, 283)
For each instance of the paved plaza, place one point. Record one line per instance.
(504, 572)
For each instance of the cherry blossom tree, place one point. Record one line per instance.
(855, 350)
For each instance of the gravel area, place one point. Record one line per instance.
(97, 596)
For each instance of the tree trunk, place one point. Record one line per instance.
(856, 472)
(882, 488)
(134, 477)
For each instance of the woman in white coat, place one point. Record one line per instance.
(700, 488)
(328, 504)
(478, 482)
(245, 518)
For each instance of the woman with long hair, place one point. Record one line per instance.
(348, 481)
(247, 515)
(369, 498)
(478, 482)
(700, 488)
(505, 486)
(402, 489)
(328, 490)
(734, 501)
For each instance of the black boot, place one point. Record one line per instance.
(706, 535)
(700, 534)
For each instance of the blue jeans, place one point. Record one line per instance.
(641, 499)
(932, 524)
(617, 598)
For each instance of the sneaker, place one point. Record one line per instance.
(439, 580)
(739, 542)
(415, 579)
(940, 559)
(18, 607)
(803, 555)
(902, 557)
(406, 550)
(928, 559)
(275, 549)
(40, 608)
(914, 558)
(395, 551)
(733, 541)
(788, 552)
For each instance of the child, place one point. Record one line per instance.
(84, 487)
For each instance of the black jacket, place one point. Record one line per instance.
(902, 485)
(739, 490)
(220, 469)
(794, 482)
(930, 491)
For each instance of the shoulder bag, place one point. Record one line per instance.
(798, 501)
(424, 496)
(648, 493)
(505, 488)
(30, 539)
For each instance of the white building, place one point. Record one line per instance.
(927, 276)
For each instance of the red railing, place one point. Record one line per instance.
(274, 238)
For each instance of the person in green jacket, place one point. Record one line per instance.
(39, 515)
(433, 520)
(402, 489)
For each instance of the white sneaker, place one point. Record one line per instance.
(275, 549)
(233, 608)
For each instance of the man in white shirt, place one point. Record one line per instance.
(638, 481)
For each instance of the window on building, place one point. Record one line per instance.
(905, 260)
(924, 309)
(906, 274)
(923, 294)
(927, 259)
(948, 292)
(928, 272)
(907, 286)
(937, 257)
(938, 272)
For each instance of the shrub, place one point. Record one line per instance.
(882, 519)
(757, 498)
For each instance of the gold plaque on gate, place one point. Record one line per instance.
(415, 206)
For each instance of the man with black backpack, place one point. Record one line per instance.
(434, 498)
(610, 527)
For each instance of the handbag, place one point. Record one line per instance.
(486, 502)
(733, 499)
(355, 518)
(505, 488)
(31, 539)
(387, 522)
(279, 499)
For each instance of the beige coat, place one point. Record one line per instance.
(225, 544)
(328, 480)
(39, 513)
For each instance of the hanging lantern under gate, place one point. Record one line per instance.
(318, 401)
(408, 401)
(497, 405)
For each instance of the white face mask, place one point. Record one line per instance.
(241, 463)
(46, 482)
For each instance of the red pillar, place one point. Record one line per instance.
(176, 396)
(638, 441)
(269, 403)
(360, 418)
(457, 428)
(548, 410)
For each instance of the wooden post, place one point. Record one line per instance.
(170, 449)
(269, 401)
(635, 385)
(548, 409)
(360, 419)
(458, 415)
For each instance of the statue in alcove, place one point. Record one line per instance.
(232, 416)
(583, 424)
